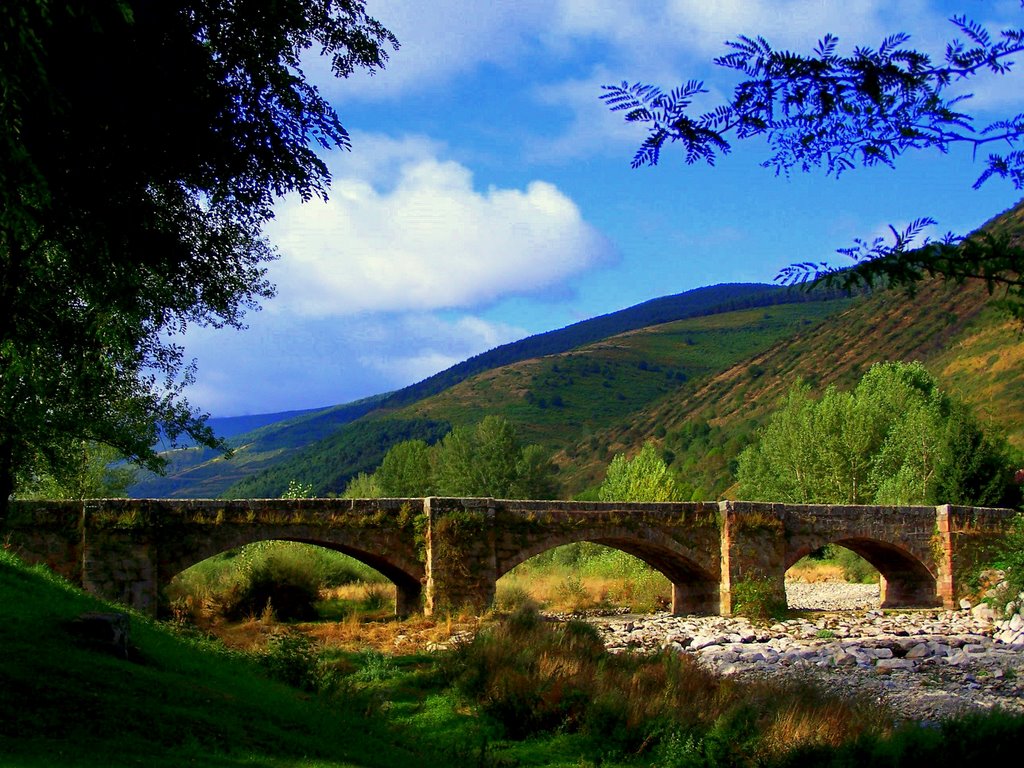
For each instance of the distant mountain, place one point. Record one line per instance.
(554, 400)
(195, 472)
(226, 427)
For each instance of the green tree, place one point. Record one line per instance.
(490, 460)
(645, 477)
(827, 110)
(142, 145)
(406, 471)
(454, 473)
(895, 439)
(363, 486)
(82, 470)
(535, 475)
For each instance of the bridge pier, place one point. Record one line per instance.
(753, 553)
(700, 598)
(408, 600)
(460, 556)
(120, 562)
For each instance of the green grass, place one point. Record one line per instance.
(182, 701)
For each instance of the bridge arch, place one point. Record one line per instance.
(694, 574)
(407, 574)
(906, 579)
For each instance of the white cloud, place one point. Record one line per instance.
(447, 38)
(424, 239)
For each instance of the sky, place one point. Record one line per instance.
(488, 194)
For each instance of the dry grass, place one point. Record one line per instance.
(815, 571)
(358, 630)
(566, 592)
(536, 676)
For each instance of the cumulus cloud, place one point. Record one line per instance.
(412, 233)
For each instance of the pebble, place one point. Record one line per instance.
(926, 664)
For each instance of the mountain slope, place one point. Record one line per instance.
(703, 428)
(195, 472)
(556, 399)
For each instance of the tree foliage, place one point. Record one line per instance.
(485, 460)
(645, 477)
(837, 112)
(895, 439)
(143, 145)
(405, 471)
(82, 470)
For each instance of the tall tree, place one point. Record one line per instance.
(895, 439)
(833, 111)
(645, 477)
(142, 145)
(485, 460)
(405, 471)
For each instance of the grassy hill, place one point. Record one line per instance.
(197, 472)
(553, 400)
(177, 700)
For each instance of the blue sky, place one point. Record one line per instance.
(489, 195)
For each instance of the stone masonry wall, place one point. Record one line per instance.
(444, 554)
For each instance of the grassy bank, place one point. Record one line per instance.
(521, 692)
(178, 701)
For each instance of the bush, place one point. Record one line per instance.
(855, 568)
(292, 658)
(758, 599)
(288, 586)
(238, 583)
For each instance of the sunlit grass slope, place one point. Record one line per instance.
(179, 702)
(561, 398)
(704, 425)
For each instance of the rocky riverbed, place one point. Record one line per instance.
(923, 664)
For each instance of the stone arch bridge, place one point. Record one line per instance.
(443, 553)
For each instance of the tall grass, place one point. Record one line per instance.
(288, 576)
(584, 576)
(533, 676)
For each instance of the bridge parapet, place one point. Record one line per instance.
(447, 553)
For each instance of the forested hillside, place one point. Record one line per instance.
(557, 399)
(702, 428)
(194, 472)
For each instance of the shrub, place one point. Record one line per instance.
(758, 599)
(288, 584)
(292, 658)
(376, 598)
(855, 568)
(238, 583)
(1010, 558)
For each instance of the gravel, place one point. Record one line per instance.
(924, 665)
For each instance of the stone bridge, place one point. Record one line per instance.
(443, 554)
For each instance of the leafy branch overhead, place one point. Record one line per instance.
(837, 112)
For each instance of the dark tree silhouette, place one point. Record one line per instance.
(142, 145)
